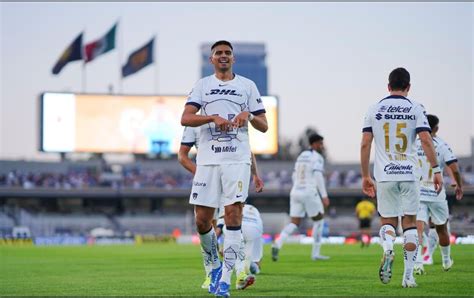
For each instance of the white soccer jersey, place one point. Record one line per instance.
(190, 136)
(445, 156)
(395, 122)
(307, 164)
(226, 99)
(251, 216)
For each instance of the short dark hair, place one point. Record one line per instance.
(399, 79)
(222, 42)
(432, 120)
(315, 138)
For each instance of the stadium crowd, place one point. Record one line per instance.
(161, 178)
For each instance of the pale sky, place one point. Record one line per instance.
(327, 62)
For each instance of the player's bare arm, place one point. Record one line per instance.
(454, 168)
(256, 179)
(368, 186)
(428, 148)
(190, 118)
(184, 159)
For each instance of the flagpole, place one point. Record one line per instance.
(84, 81)
(119, 53)
(84, 78)
(156, 65)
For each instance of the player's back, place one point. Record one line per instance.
(394, 122)
(303, 174)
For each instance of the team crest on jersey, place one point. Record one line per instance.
(212, 108)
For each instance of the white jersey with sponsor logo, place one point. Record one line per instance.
(445, 156)
(190, 136)
(226, 99)
(307, 164)
(395, 122)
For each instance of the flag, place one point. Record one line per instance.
(101, 46)
(72, 53)
(139, 59)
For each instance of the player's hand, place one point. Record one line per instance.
(438, 182)
(241, 119)
(459, 192)
(222, 124)
(368, 187)
(326, 202)
(258, 183)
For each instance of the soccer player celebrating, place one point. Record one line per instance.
(433, 204)
(228, 102)
(305, 196)
(393, 123)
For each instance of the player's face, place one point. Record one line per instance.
(319, 146)
(222, 58)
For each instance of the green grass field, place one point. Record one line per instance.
(172, 269)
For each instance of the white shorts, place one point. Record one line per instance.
(253, 242)
(438, 211)
(397, 198)
(220, 185)
(301, 204)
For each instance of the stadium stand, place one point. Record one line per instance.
(150, 197)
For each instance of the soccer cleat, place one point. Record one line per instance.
(447, 265)
(385, 272)
(275, 251)
(320, 257)
(409, 283)
(223, 290)
(243, 281)
(206, 283)
(215, 277)
(418, 269)
(254, 268)
(427, 260)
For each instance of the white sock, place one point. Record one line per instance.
(209, 249)
(410, 236)
(287, 231)
(240, 263)
(446, 253)
(419, 256)
(232, 243)
(425, 240)
(206, 262)
(432, 241)
(317, 236)
(386, 240)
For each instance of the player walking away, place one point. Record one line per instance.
(305, 196)
(394, 123)
(227, 102)
(248, 262)
(189, 139)
(365, 211)
(432, 204)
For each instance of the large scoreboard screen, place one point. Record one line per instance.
(128, 124)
